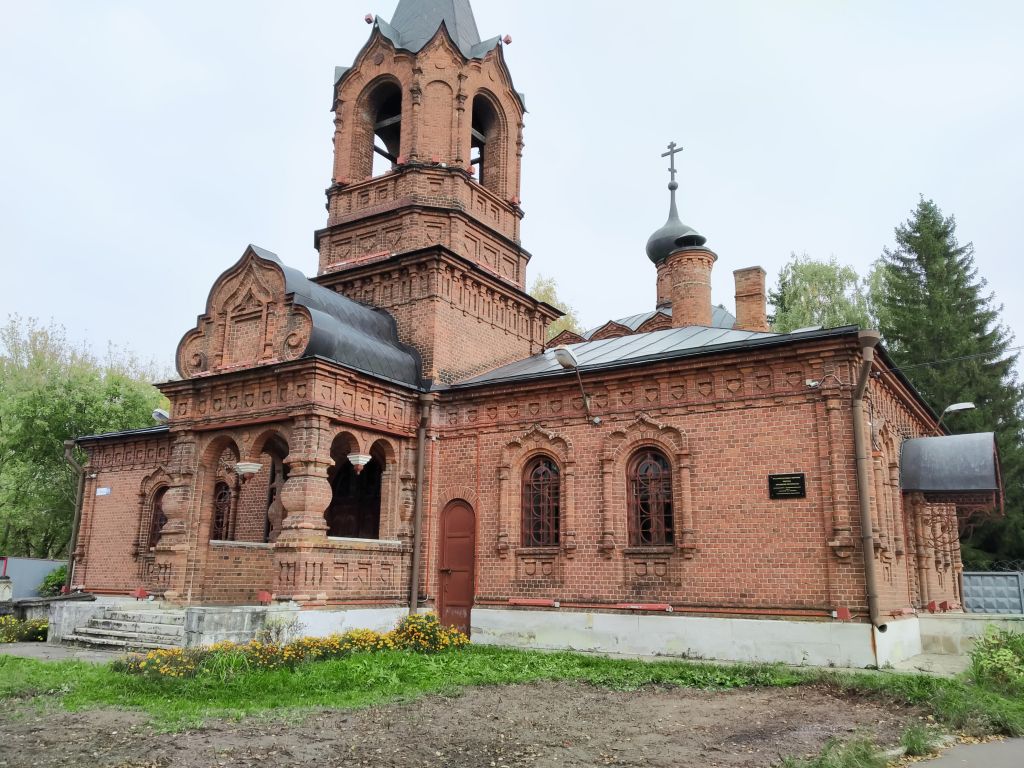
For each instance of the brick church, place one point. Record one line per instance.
(396, 433)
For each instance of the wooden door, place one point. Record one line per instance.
(458, 555)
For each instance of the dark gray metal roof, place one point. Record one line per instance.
(347, 332)
(640, 348)
(415, 22)
(720, 318)
(950, 464)
(160, 429)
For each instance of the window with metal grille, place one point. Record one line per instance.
(649, 485)
(541, 503)
(220, 530)
(158, 519)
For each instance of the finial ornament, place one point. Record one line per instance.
(673, 150)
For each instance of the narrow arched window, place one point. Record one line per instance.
(649, 486)
(158, 518)
(542, 501)
(220, 529)
(487, 144)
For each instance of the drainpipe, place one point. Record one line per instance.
(69, 457)
(868, 340)
(417, 523)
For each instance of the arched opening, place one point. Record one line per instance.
(380, 137)
(649, 488)
(223, 493)
(541, 502)
(487, 144)
(158, 518)
(354, 511)
(277, 474)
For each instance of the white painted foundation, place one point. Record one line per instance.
(818, 643)
(320, 623)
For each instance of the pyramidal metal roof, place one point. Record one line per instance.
(720, 318)
(415, 22)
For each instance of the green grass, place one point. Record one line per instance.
(858, 753)
(369, 678)
(918, 741)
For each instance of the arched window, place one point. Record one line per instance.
(355, 501)
(158, 519)
(542, 499)
(487, 143)
(649, 489)
(220, 529)
(380, 137)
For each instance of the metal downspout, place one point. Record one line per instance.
(417, 524)
(868, 340)
(79, 470)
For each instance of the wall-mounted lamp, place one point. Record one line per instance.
(358, 461)
(956, 408)
(246, 469)
(160, 416)
(566, 359)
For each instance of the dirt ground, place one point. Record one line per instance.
(544, 724)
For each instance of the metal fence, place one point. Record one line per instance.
(994, 592)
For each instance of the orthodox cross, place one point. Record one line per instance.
(673, 150)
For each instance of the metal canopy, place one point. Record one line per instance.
(952, 464)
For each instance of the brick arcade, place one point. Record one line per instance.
(400, 417)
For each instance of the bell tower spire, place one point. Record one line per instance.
(423, 207)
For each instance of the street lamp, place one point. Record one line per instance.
(955, 408)
(566, 359)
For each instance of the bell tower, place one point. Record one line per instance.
(423, 208)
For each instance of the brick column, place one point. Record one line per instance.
(170, 562)
(300, 560)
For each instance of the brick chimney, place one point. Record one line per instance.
(751, 309)
(689, 277)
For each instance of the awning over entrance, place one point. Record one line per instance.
(957, 469)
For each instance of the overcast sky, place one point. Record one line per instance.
(144, 144)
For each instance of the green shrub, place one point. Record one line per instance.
(54, 582)
(226, 660)
(424, 633)
(14, 630)
(997, 661)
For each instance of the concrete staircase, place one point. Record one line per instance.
(132, 628)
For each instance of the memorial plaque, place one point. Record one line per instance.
(791, 486)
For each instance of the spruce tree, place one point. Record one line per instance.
(941, 326)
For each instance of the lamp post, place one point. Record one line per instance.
(566, 359)
(956, 408)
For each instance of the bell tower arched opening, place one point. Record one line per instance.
(487, 142)
(379, 133)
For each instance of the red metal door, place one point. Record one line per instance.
(455, 577)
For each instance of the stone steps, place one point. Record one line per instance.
(125, 644)
(141, 627)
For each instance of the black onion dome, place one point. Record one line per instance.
(673, 235)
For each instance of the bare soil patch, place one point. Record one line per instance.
(543, 724)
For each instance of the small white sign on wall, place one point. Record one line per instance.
(102, 491)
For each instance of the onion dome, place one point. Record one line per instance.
(674, 234)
